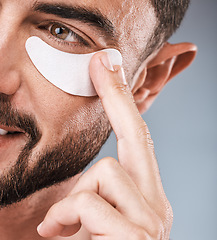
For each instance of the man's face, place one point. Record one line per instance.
(57, 134)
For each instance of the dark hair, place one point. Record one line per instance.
(169, 14)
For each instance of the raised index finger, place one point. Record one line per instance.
(135, 148)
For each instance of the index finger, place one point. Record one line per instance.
(135, 148)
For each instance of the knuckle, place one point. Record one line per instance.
(169, 212)
(106, 169)
(85, 196)
(141, 132)
(166, 212)
(168, 215)
(162, 222)
(109, 164)
(143, 135)
(138, 233)
(52, 211)
(157, 229)
(120, 88)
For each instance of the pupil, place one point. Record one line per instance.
(59, 30)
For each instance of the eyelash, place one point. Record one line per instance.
(81, 41)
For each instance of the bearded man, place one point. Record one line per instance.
(48, 137)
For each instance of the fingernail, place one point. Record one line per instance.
(122, 75)
(39, 227)
(106, 61)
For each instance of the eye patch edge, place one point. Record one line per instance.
(69, 72)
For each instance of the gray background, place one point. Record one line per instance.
(183, 122)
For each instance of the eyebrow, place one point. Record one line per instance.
(93, 17)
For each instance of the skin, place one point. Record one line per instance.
(88, 201)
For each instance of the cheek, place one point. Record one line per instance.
(87, 115)
(65, 113)
(55, 111)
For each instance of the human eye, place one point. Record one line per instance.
(64, 35)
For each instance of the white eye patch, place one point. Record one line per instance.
(69, 72)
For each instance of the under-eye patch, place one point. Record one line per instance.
(69, 72)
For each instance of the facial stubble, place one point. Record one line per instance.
(52, 165)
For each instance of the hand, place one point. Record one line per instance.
(116, 200)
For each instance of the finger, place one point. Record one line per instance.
(94, 213)
(107, 179)
(135, 147)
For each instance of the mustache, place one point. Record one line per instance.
(11, 117)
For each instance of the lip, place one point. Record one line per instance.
(10, 147)
(11, 142)
(11, 129)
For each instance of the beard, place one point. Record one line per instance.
(52, 165)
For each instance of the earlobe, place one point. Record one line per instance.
(170, 60)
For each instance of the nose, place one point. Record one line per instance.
(9, 74)
(9, 61)
(9, 81)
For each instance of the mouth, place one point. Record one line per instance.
(12, 142)
(4, 132)
(9, 130)
(10, 136)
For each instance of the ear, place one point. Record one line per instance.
(158, 70)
